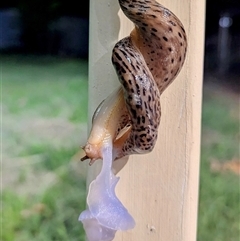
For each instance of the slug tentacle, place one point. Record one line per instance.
(146, 62)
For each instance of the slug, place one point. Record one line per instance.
(146, 63)
(127, 121)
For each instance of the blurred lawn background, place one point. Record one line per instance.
(44, 115)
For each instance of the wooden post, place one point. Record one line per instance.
(159, 189)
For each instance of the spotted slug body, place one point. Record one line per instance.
(146, 62)
(159, 36)
(141, 95)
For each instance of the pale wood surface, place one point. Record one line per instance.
(159, 189)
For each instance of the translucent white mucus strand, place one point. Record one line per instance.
(105, 213)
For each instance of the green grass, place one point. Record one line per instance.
(52, 86)
(43, 88)
(57, 220)
(48, 88)
(219, 202)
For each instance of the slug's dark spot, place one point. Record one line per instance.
(170, 29)
(118, 56)
(153, 34)
(165, 38)
(157, 11)
(143, 28)
(181, 44)
(138, 120)
(124, 8)
(123, 70)
(133, 66)
(142, 128)
(170, 49)
(144, 92)
(125, 85)
(131, 6)
(116, 64)
(179, 34)
(166, 79)
(142, 135)
(154, 29)
(180, 59)
(152, 15)
(145, 24)
(173, 24)
(132, 54)
(134, 113)
(130, 146)
(149, 139)
(138, 13)
(172, 60)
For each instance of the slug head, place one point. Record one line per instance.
(110, 121)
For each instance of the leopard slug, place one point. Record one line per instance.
(127, 121)
(146, 63)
